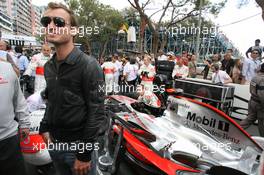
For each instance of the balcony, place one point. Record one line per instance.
(5, 18)
(7, 28)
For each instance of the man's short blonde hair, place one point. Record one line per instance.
(54, 5)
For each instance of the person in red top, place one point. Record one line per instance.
(147, 73)
(109, 69)
(36, 66)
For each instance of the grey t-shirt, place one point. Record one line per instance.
(12, 103)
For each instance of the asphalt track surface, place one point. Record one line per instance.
(252, 130)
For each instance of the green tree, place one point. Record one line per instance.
(102, 23)
(173, 12)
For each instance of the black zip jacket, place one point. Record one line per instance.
(75, 109)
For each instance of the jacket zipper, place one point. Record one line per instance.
(56, 90)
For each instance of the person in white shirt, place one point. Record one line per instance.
(250, 67)
(35, 102)
(14, 122)
(130, 71)
(219, 76)
(36, 67)
(109, 69)
(118, 68)
(147, 73)
(180, 70)
(162, 56)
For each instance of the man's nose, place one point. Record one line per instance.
(51, 25)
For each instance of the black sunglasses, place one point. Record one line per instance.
(58, 21)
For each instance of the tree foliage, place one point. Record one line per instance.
(101, 20)
(172, 12)
(150, 14)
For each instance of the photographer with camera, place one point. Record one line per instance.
(147, 73)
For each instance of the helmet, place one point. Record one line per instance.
(33, 148)
(151, 100)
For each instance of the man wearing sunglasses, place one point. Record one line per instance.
(75, 108)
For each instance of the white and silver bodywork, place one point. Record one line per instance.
(190, 128)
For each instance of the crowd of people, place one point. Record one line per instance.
(120, 69)
(219, 68)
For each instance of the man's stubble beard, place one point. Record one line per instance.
(58, 43)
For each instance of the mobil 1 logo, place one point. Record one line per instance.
(209, 122)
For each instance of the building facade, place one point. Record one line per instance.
(20, 13)
(5, 17)
(6, 7)
(5, 23)
(36, 13)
